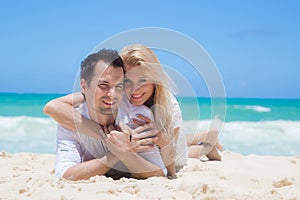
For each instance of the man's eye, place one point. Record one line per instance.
(120, 86)
(103, 85)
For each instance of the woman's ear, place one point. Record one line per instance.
(83, 85)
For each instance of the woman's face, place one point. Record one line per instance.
(138, 88)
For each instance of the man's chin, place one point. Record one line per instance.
(108, 111)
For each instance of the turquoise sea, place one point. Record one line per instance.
(251, 126)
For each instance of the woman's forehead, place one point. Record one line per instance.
(134, 71)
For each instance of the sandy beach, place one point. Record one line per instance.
(31, 176)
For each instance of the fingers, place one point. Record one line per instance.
(142, 128)
(125, 128)
(143, 118)
(147, 141)
(111, 128)
(145, 134)
(138, 122)
(143, 145)
(105, 129)
(143, 148)
(120, 139)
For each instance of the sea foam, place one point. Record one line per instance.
(35, 134)
(264, 138)
(258, 108)
(30, 134)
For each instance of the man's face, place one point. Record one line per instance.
(105, 91)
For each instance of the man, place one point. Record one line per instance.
(79, 156)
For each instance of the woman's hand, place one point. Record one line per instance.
(143, 137)
(129, 140)
(162, 138)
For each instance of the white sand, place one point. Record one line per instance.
(31, 176)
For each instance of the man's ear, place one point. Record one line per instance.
(83, 85)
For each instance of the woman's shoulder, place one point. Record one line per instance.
(174, 102)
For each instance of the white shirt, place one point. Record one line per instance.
(73, 148)
(128, 111)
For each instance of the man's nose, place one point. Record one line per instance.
(112, 92)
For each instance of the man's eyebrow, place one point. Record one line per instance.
(103, 81)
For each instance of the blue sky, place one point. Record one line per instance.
(255, 44)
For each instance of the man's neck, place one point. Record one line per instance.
(105, 120)
(100, 118)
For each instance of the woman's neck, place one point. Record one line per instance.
(149, 103)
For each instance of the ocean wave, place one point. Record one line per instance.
(35, 134)
(265, 138)
(23, 133)
(258, 108)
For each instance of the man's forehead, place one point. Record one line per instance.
(107, 72)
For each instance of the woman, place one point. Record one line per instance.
(146, 84)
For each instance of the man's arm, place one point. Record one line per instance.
(70, 153)
(90, 168)
(63, 112)
(139, 167)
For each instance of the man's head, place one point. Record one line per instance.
(102, 84)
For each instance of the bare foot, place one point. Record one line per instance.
(209, 147)
(219, 146)
(214, 154)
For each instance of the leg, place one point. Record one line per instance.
(219, 146)
(197, 151)
(208, 146)
(214, 154)
(196, 138)
(207, 137)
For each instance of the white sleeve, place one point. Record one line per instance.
(181, 146)
(176, 113)
(68, 151)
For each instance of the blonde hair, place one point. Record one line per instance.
(144, 57)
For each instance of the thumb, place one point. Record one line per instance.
(125, 128)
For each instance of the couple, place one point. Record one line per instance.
(113, 131)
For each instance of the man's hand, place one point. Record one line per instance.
(118, 141)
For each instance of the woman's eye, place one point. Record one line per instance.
(127, 80)
(143, 81)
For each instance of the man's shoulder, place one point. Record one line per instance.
(83, 109)
(64, 133)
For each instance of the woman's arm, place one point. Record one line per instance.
(63, 112)
(168, 150)
(167, 145)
